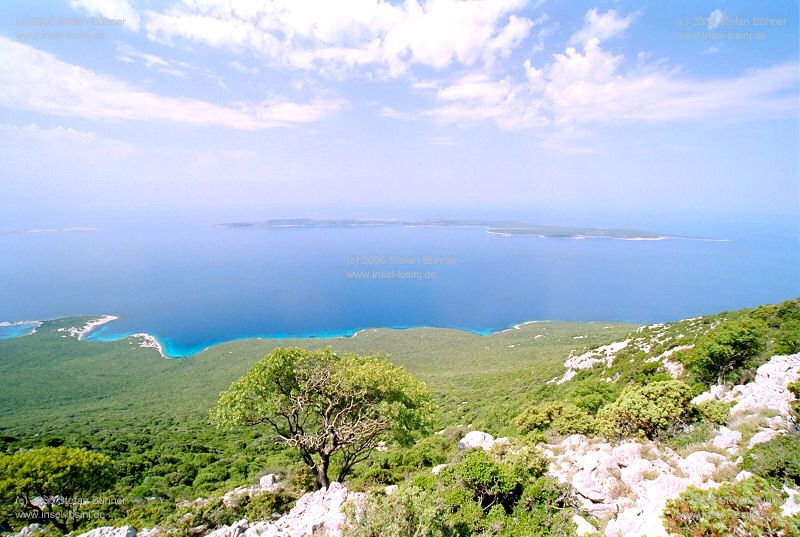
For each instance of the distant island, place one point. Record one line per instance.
(495, 227)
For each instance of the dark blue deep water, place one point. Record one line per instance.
(192, 285)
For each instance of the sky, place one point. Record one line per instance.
(563, 112)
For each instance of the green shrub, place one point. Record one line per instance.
(591, 394)
(750, 507)
(50, 473)
(647, 410)
(262, 506)
(562, 417)
(410, 511)
(448, 507)
(777, 460)
(490, 481)
(209, 515)
(794, 389)
(300, 477)
(211, 475)
(430, 451)
(713, 411)
(379, 476)
(726, 349)
(787, 340)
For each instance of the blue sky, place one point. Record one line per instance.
(562, 112)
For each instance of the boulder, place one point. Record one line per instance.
(768, 389)
(699, 465)
(438, 468)
(575, 442)
(269, 482)
(727, 439)
(583, 527)
(764, 435)
(634, 472)
(476, 439)
(320, 513)
(791, 506)
(234, 530)
(715, 393)
(586, 485)
(317, 514)
(741, 476)
(627, 453)
(30, 530)
(110, 531)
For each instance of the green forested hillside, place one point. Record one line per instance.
(150, 415)
(52, 381)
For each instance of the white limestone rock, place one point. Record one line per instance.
(438, 468)
(764, 435)
(699, 466)
(476, 439)
(30, 530)
(627, 453)
(110, 531)
(317, 514)
(269, 482)
(727, 439)
(586, 485)
(234, 530)
(583, 527)
(791, 506)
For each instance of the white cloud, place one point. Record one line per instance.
(128, 54)
(65, 140)
(31, 79)
(715, 19)
(243, 68)
(476, 98)
(590, 87)
(336, 36)
(601, 26)
(111, 9)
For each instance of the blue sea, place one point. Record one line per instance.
(192, 285)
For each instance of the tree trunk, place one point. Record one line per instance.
(321, 471)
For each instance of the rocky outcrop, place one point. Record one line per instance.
(791, 506)
(30, 530)
(110, 531)
(589, 359)
(476, 439)
(317, 514)
(767, 391)
(628, 485)
(267, 483)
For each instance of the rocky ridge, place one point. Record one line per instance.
(626, 486)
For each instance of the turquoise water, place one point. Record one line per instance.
(17, 329)
(192, 285)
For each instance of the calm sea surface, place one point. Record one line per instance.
(192, 285)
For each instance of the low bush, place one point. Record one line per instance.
(562, 417)
(713, 411)
(647, 410)
(480, 493)
(777, 460)
(750, 507)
